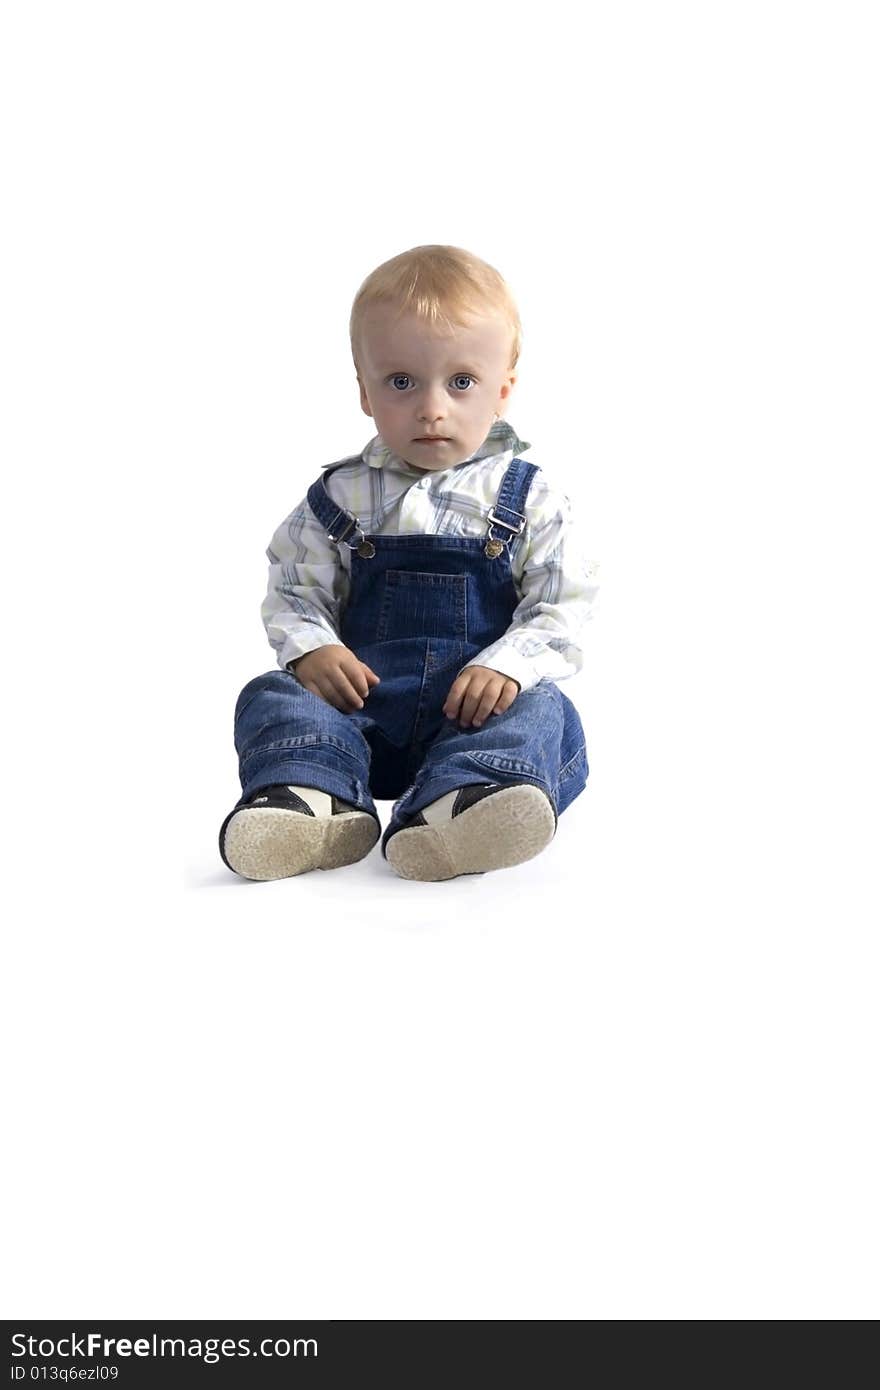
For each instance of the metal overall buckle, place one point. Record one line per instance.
(364, 548)
(494, 547)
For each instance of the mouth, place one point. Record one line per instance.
(431, 439)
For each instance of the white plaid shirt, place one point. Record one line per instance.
(309, 575)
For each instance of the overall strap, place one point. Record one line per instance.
(509, 509)
(507, 512)
(337, 522)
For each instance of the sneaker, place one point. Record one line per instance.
(282, 831)
(473, 829)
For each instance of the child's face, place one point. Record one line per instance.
(416, 381)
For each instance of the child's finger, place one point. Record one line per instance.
(470, 702)
(484, 708)
(344, 689)
(355, 679)
(451, 706)
(505, 700)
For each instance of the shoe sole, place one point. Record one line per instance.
(502, 830)
(265, 842)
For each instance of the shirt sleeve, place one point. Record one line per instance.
(307, 589)
(558, 588)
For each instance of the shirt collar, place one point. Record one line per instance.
(502, 438)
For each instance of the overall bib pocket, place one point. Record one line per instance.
(416, 603)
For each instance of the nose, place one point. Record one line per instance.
(432, 406)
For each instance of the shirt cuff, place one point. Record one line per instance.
(295, 647)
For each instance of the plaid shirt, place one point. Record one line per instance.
(309, 575)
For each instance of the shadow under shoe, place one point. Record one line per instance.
(282, 831)
(472, 830)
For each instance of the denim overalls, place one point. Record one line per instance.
(419, 608)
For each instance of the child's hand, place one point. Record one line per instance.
(336, 674)
(478, 692)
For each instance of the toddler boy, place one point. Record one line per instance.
(424, 599)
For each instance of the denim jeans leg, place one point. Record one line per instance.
(285, 734)
(538, 739)
(573, 766)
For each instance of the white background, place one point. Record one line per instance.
(634, 1078)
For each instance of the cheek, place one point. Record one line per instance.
(393, 417)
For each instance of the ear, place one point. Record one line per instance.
(365, 404)
(507, 388)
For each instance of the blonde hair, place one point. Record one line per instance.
(443, 285)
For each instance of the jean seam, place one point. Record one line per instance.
(305, 741)
(501, 764)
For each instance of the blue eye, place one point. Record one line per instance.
(405, 377)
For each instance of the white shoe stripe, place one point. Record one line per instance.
(442, 809)
(320, 802)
